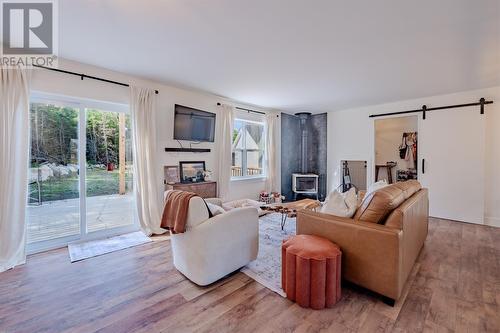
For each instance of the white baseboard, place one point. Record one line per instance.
(492, 221)
(489, 221)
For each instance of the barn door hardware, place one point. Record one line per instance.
(424, 109)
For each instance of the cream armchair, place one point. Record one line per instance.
(211, 248)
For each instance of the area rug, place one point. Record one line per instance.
(81, 251)
(266, 269)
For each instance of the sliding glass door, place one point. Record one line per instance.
(81, 173)
(54, 180)
(109, 172)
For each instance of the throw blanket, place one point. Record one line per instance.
(175, 211)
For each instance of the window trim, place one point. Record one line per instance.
(243, 154)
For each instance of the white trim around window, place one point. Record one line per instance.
(241, 170)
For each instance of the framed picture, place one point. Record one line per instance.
(171, 174)
(192, 172)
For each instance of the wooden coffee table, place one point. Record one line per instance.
(289, 209)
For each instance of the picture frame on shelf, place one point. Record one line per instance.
(192, 171)
(171, 174)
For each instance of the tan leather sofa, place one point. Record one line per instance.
(381, 243)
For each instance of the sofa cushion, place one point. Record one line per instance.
(377, 205)
(376, 186)
(409, 187)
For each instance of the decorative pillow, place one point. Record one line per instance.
(376, 186)
(244, 203)
(341, 204)
(215, 210)
(233, 204)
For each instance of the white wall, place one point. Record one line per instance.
(388, 138)
(351, 137)
(71, 86)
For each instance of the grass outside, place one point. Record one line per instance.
(99, 182)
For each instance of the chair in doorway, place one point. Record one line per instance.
(389, 166)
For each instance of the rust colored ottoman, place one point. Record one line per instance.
(310, 271)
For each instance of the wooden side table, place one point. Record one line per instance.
(289, 209)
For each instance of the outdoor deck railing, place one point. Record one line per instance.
(238, 171)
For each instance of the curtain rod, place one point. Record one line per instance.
(82, 76)
(248, 110)
(482, 102)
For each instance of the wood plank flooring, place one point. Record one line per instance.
(455, 286)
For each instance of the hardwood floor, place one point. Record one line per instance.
(455, 286)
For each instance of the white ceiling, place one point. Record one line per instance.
(292, 55)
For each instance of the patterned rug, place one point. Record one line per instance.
(266, 269)
(81, 251)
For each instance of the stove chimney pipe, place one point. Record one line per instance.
(304, 117)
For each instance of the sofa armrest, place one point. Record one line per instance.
(412, 217)
(371, 253)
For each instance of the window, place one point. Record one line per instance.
(248, 149)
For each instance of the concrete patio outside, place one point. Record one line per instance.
(61, 218)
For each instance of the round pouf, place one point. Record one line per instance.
(310, 271)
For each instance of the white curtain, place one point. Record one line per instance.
(14, 153)
(225, 117)
(272, 130)
(147, 171)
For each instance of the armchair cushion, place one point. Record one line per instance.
(214, 201)
(215, 209)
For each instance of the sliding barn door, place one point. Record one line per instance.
(451, 163)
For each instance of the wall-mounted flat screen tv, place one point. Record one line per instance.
(193, 125)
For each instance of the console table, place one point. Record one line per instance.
(203, 189)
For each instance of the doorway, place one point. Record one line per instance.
(450, 145)
(396, 149)
(353, 175)
(81, 173)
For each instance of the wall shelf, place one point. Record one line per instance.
(188, 150)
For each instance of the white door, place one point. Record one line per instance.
(451, 163)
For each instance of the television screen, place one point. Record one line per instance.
(193, 125)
